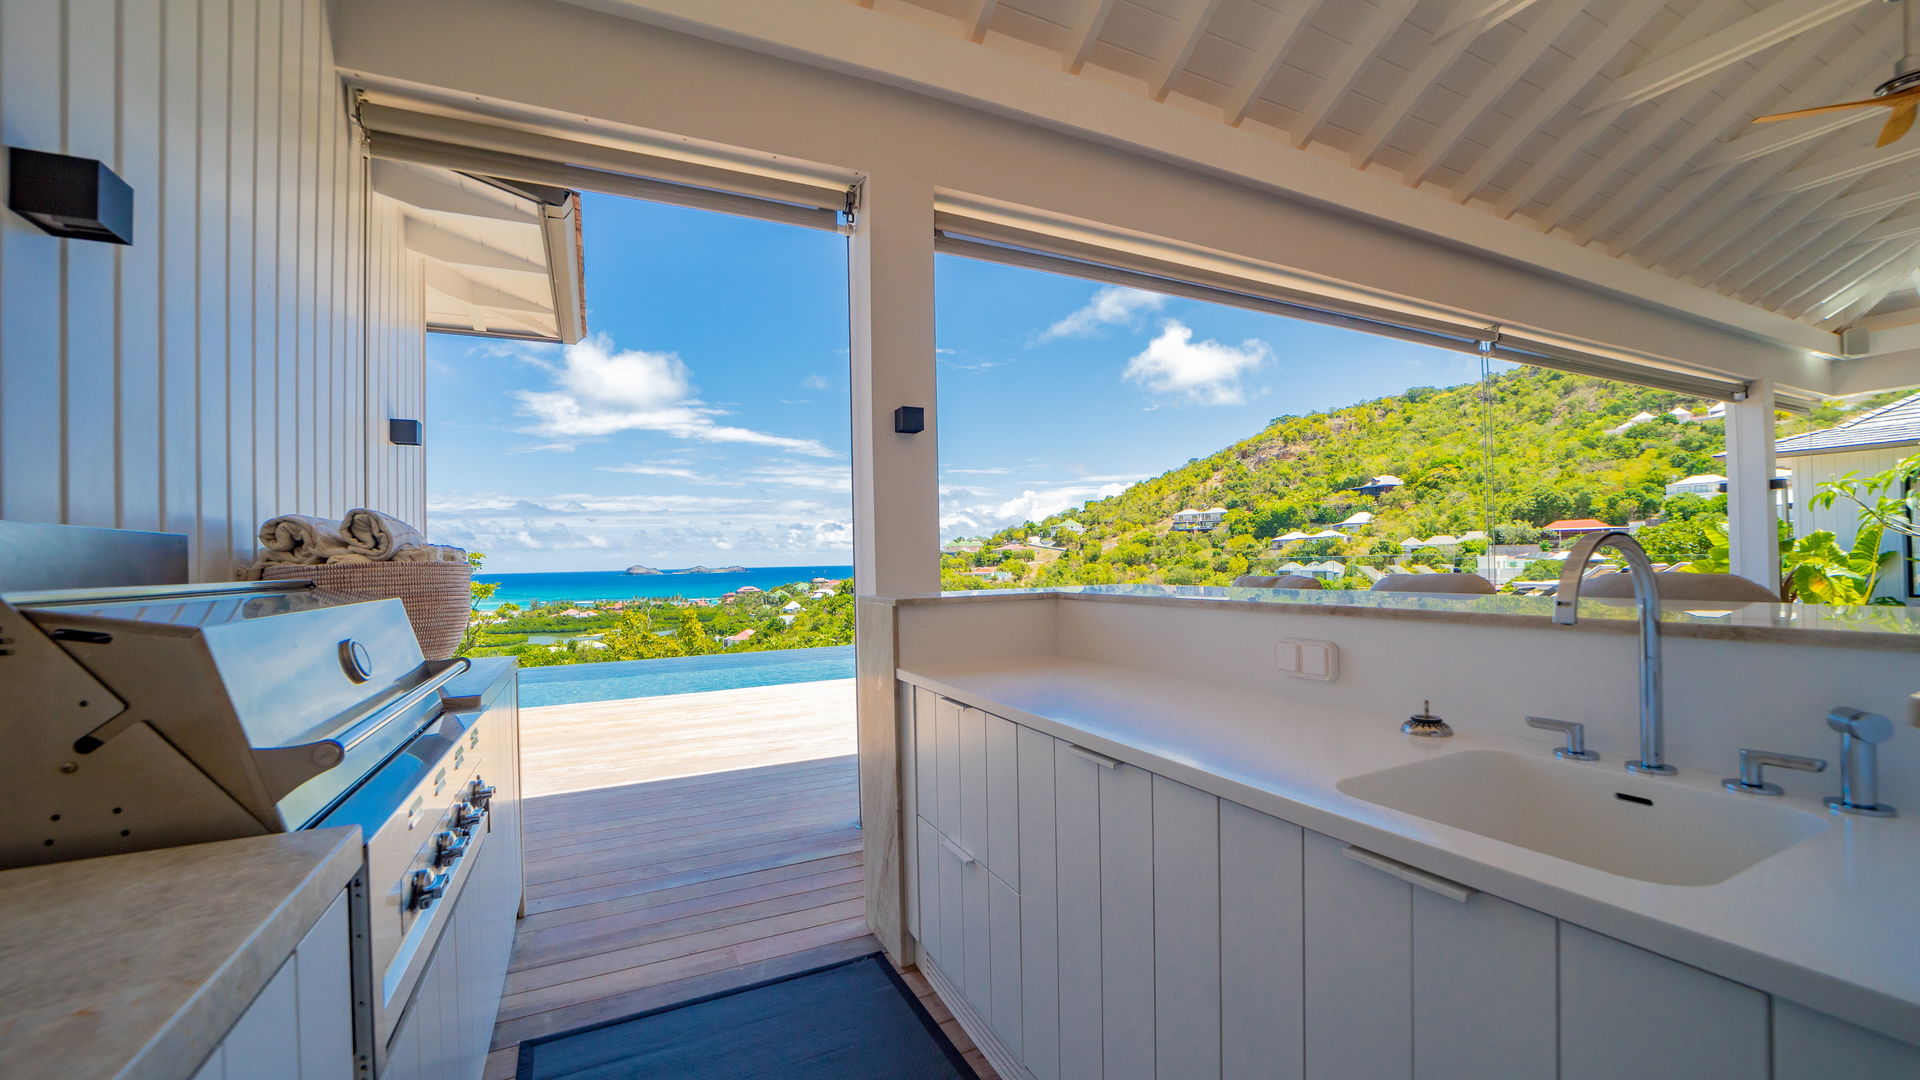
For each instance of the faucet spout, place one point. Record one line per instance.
(1646, 606)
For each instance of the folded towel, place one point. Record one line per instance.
(429, 553)
(310, 539)
(377, 535)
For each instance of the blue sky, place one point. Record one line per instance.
(705, 418)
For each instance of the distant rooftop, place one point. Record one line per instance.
(1891, 425)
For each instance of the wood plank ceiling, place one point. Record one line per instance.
(1622, 125)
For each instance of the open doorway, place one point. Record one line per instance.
(664, 512)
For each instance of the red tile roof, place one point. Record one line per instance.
(1575, 525)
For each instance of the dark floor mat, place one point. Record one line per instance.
(855, 1020)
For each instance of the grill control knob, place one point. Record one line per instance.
(465, 816)
(480, 794)
(449, 845)
(427, 887)
(355, 661)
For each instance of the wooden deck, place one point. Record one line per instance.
(679, 846)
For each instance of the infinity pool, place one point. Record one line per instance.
(572, 684)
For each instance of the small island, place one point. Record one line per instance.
(688, 570)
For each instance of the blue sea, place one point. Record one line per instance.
(522, 589)
(573, 684)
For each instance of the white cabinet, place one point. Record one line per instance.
(1186, 930)
(1359, 967)
(1126, 921)
(1261, 936)
(300, 1026)
(1039, 906)
(1809, 1045)
(1483, 988)
(1627, 1012)
(1077, 859)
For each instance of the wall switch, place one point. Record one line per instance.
(1310, 659)
(1287, 656)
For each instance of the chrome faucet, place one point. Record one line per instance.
(1646, 606)
(1859, 732)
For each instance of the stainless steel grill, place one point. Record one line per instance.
(149, 717)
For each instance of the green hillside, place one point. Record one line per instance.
(1524, 448)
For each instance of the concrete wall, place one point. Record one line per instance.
(226, 366)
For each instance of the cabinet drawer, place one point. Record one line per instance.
(970, 929)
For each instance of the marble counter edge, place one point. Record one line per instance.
(1618, 621)
(1889, 1014)
(181, 1041)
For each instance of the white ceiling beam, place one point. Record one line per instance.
(1643, 132)
(1476, 16)
(1547, 28)
(1266, 65)
(1435, 59)
(1879, 273)
(449, 247)
(1822, 275)
(1783, 136)
(1799, 253)
(1746, 235)
(1571, 79)
(1833, 169)
(977, 18)
(1085, 31)
(1740, 102)
(1755, 33)
(1187, 38)
(1372, 34)
(1891, 193)
(1588, 127)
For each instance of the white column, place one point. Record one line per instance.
(896, 483)
(1755, 547)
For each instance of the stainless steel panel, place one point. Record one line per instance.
(40, 556)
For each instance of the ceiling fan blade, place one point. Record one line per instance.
(1818, 110)
(1898, 124)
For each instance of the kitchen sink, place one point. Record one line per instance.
(1658, 831)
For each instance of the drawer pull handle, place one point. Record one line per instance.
(1101, 760)
(1412, 875)
(958, 852)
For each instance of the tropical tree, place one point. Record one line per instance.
(480, 591)
(1818, 570)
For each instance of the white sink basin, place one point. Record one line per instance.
(1598, 815)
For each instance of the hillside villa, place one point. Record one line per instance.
(1199, 520)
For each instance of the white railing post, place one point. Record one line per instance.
(1751, 514)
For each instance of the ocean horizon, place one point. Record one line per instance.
(587, 585)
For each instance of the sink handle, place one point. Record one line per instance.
(1576, 732)
(1753, 764)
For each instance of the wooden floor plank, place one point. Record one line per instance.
(684, 846)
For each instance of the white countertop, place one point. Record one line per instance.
(1832, 922)
(134, 966)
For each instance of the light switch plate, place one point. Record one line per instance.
(1318, 660)
(1286, 656)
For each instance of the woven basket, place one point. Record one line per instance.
(437, 595)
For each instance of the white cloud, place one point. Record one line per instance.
(600, 390)
(1204, 373)
(815, 382)
(1032, 504)
(978, 472)
(672, 471)
(1111, 305)
(803, 476)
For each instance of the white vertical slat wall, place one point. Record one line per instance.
(242, 357)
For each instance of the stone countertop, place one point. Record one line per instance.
(136, 965)
(1827, 922)
(1865, 627)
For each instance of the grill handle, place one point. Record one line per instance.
(284, 768)
(363, 730)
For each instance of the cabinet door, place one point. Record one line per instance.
(1077, 823)
(1359, 967)
(946, 756)
(972, 831)
(1126, 921)
(1186, 931)
(1261, 982)
(323, 989)
(1627, 1012)
(1039, 910)
(1003, 962)
(265, 1040)
(932, 933)
(1484, 985)
(923, 797)
(1003, 801)
(1809, 1045)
